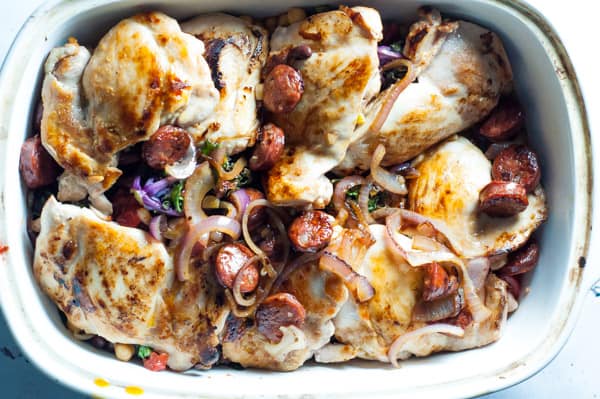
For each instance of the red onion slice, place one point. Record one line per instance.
(363, 201)
(389, 181)
(240, 200)
(157, 225)
(358, 285)
(196, 187)
(402, 245)
(342, 187)
(200, 232)
(398, 349)
(478, 269)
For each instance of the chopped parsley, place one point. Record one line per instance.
(397, 46)
(228, 164)
(353, 192)
(375, 199)
(392, 76)
(176, 196)
(208, 147)
(244, 178)
(144, 352)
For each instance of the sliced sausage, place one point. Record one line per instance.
(269, 148)
(299, 53)
(283, 89)
(311, 231)
(517, 164)
(522, 260)
(37, 117)
(279, 310)
(437, 283)
(503, 199)
(514, 285)
(166, 146)
(125, 208)
(258, 214)
(37, 167)
(463, 319)
(287, 56)
(504, 122)
(230, 260)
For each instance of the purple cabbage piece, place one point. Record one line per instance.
(386, 54)
(149, 195)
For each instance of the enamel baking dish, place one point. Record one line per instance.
(558, 129)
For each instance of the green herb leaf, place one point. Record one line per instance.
(176, 196)
(144, 351)
(244, 178)
(208, 147)
(375, 201)
(397, 46)
(228, 164)
(353, 192)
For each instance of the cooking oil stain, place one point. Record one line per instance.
(133, 390)
(101, 382)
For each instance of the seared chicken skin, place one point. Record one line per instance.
(119, 283)
(368, 330)
(461, 70)
(451, 176)
(321, 294)
(340, 77)
(236, 51)
(145, 72)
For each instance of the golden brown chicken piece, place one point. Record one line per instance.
(236, 51)
(461, 70)
(367, 330)
(321, 294)
(451, 176)
(340, 77)
(119, 283)
(145, 72)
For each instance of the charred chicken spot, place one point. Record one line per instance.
(69, 249)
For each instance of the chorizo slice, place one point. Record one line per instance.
(517, 164)
(503, 199)
(166, 146)
(230, 260)
(269, 148)
(37, 167)
(283, 89)
(279, 310)
(521, 261)
(504, 122)
(437, 283)
(311, 231)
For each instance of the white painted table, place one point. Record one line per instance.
(572, 374)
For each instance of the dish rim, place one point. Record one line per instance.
(23, 329)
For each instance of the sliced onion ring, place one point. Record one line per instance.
(342, 187)
(398, 346)
(217, 159)
(358, 285)
(200, 232)
(237, 282)
(392, 93)
(196, 187)
(157, 225)
(183, 168)
(389, 181)
(402, 245)
(363, 201)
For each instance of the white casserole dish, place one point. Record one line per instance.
(558, 129)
